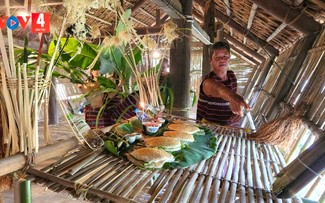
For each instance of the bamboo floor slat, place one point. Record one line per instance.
(240, 171)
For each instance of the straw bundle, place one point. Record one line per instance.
(281, 131)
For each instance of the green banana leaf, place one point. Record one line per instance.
(204, 147)
(76, 53)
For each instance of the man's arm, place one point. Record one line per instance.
(213, 88)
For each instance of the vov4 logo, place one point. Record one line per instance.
(40, 22)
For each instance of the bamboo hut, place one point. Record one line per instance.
(277, 54)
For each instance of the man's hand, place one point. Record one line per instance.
(237, 104)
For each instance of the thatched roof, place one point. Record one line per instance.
(254, 23)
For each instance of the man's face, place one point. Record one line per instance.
(220, 60)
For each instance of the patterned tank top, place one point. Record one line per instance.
(215, 109)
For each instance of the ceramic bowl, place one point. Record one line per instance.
(151, 128)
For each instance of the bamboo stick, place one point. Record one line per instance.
(257, 174)
(242, 177)
(271, 157)
(71, 184)
(87, 172)
(124, 186)
(168, 192)
(110, 187)
(249, 176)
(111, 176)
(220, 170)
(195, 197)
(226, 182)
(180, 185)
(234, 180)
(188, 187)
(135, 182)
(103, 169)
(65, 167)
(25, 191)
(212, 170)
(266, 181)
(84, 162)
(162, 185)
(158, 181)
(142, 184)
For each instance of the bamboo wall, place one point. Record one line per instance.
(307, 85)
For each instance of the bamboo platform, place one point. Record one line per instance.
(240, 171)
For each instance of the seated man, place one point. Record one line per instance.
(218, 101)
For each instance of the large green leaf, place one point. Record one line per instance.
(106, 82)
(204, 147)
(76, 53)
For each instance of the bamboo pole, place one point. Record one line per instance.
(257, 174)
(226, 182)
(190, 184)
(242, 175)
(221, 167)
(199, 185)
(135, 175)
(249, 177)
(142, 184)
(162, 185)
(16, 162)
(212, 170)
(234, 180)
(71, 184)
(169, 190)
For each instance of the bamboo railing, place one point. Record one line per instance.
(240, 171)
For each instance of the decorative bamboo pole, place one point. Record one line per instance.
(16, 162)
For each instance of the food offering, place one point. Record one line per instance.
(150, 158)
(173, 145)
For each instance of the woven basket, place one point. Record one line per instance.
(13, 83)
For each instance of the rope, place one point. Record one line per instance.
(81, 189)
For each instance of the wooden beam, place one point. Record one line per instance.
(209, 28)
(244, 56)
(173, 8)
(245, 49)
(251, 36)
(290, 16)
(320, 3)
(180, 63)
(148, 30)
(137, 5)
(158, 21)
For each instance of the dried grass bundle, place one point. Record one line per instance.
(281, 131)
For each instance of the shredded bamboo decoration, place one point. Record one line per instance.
(22, 92)
(281, 131)
(240, 171)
